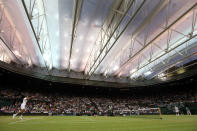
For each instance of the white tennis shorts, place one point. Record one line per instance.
(23, 106)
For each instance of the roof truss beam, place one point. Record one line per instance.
(40, 30)
(77, 10)
(108, 44)
(159, 7)
(173, 49)
(13, 41)
(126, 63)
(168, 66)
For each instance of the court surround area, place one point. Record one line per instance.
(98, 123)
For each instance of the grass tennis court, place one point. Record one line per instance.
(99, 123)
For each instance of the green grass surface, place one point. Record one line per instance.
(99, 123)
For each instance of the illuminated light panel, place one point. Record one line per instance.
(134, 75)
(29, 62)
(66, 19)
(65, 35)
(45, 56)
(91, 38)
(116, 68)
(17, 53)
(181, 71)
(133, 70)
(163, 78)
(147, 73)
(161, 75)
(97, 23)
(57, 33)
(119, 75)
(56, 16)
(80, 37)
(88, 50)
(77, 50)
(5, 58)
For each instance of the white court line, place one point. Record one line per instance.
(83, 122)
(19, 121)
(16, 122)
(87, 118)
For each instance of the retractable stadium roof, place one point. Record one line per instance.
(118, 43)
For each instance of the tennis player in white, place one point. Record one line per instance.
(22, 110)
(176, 110)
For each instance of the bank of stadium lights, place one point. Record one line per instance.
(56, 16)
(162, 76)
(147, 73)
(105, 74)
(65, 58)
(91, 38)
(116, 68)
(132, 71)
(65, 19)
(72, 61)
(1, 31)
(65, 34)
(50, 66)
(120, 74)
(17, 53)
(35, 10)
(47, 59)
(29, 63)
(80, 37)
(84, 22)
(45, 56)
(88, 50)
(181, 71)
(57, 33)
(97, 23)
(133, 76)
(77, 50)
(5, 58)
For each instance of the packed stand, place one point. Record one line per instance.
(59, 104)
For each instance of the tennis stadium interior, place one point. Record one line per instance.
(98, 57)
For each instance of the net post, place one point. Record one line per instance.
(160, 115)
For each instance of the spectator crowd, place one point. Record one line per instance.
(59, 104)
